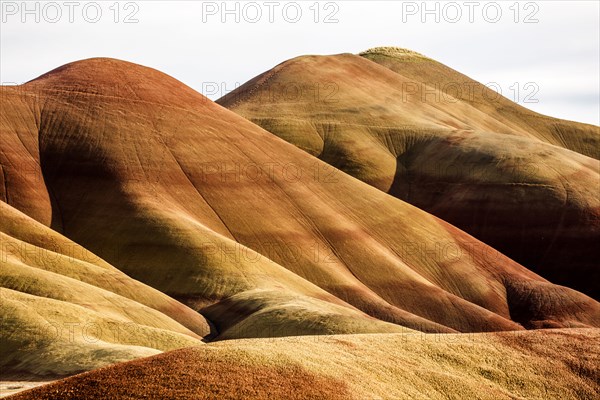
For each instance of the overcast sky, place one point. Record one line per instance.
(543, 54)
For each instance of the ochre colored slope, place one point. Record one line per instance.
(560, 364)
(489, 167)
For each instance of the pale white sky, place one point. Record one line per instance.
(553, 44)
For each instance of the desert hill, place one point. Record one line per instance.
(145, 176)
(525, 184)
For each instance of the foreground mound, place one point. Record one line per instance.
(457, 366)
(521, 182)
